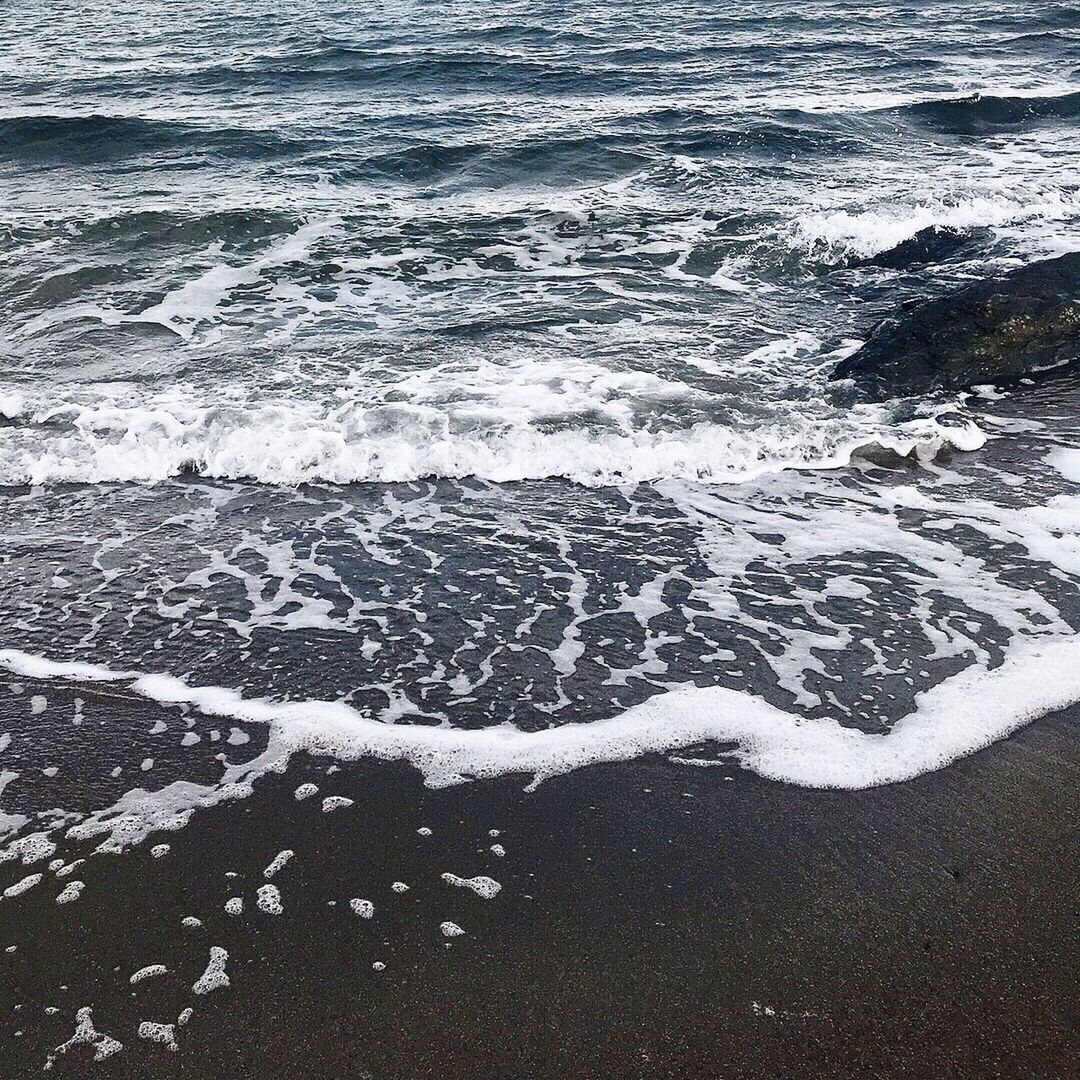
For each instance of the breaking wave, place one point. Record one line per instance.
(293, 442)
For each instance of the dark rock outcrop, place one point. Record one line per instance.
(933, 244)
(995, 331)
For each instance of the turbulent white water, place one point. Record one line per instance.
(496, 422)
(841, 629)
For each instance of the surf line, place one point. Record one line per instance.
(958, 716)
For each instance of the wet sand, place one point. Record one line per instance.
(655, 920)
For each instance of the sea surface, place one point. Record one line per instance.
(449, 381)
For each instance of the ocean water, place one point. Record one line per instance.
(449, 382)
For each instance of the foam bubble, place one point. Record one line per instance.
(335, 802)
(86, 1035)
(71, 891)
(269, 899)
(165, 1034)
(277, 863)
(22, 886)
(33, 848)
(151, 971)
(484, 887)
(214, 977)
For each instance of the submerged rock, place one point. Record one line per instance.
(995, 331)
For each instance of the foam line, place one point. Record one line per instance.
(955, 718)
(292, 442)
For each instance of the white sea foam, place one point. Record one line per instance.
(159, 1033)
(268, 899)
(335, 802)
(86, 1035)
(151, 971)
(958, 716)
(1066, 460)
(484, 887)
(277, 863)
(21, 886)
(70, 892)
(33, 848)
(186, 308)
(583, 424)
(215, 976)
(866, 231)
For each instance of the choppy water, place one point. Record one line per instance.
(523, 241)
(467, 364)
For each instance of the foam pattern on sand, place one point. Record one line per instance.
(953, 719)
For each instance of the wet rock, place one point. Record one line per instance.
(930, 245)
(995, 331)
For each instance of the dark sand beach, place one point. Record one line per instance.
(654, 920)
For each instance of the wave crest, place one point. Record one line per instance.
(983, 112)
